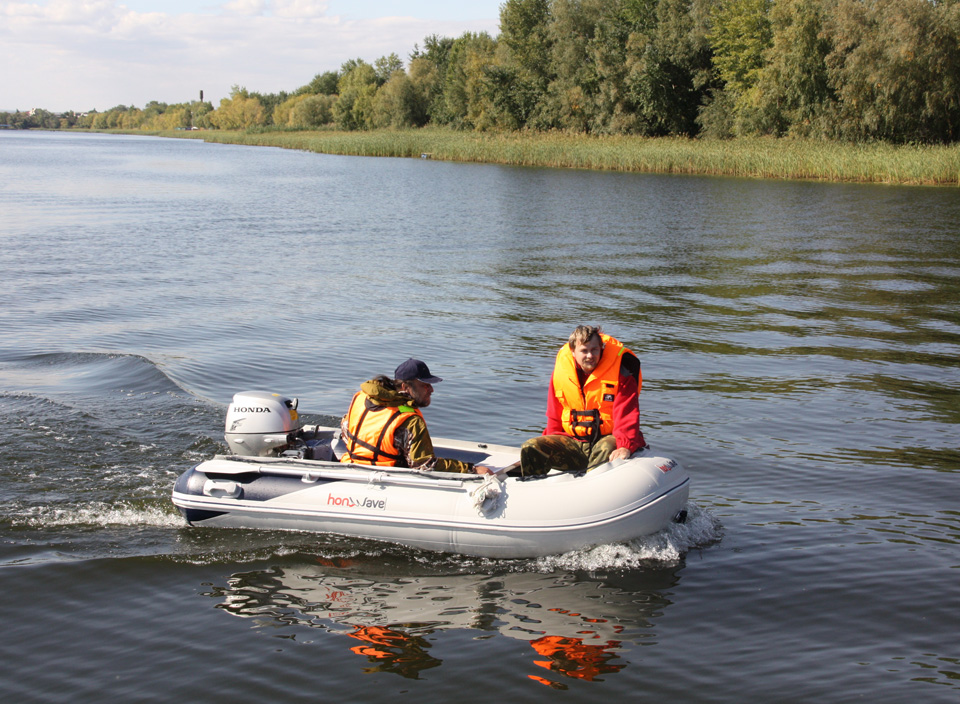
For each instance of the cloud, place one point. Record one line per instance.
(76, 54)
(278, 8)
(299, 8)
(246, 8)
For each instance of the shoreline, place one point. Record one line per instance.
(766, 158)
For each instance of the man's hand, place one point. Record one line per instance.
(621, 453)
(480, 469)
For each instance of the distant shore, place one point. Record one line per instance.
(748, 158)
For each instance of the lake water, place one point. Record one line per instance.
(800, 345)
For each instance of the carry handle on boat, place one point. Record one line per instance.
(503, 472)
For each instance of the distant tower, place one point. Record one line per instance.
(201, 96)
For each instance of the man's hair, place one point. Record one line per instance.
(582, 335)
(398, 384)
(386, 382)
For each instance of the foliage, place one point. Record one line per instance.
(385, 67)
(519, 80)
(428, 68)
(305, 111)
(357, 87)
(895, 68)
(741, 34)
(740, 37)
(793, 90)
(400, 102)
(240, 111)
(466, 89)
(671, 70)
(269, 102)
(854, 70)
(322, 84)
(39, 118)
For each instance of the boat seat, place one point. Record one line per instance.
(338, 448)
(320, 450)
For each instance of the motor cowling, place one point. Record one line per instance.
(259, 423)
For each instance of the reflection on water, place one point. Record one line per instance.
(574, 658)
(400, 651)
(577, 626)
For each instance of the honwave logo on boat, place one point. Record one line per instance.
(667, 466)
(351, 502)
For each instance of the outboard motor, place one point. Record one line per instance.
(259, 423)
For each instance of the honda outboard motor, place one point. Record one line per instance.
(259, 423)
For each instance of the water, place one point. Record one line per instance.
(800, 348)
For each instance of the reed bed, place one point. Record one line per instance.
(748, 158)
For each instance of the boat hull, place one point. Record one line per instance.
(503, 517)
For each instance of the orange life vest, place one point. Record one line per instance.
(369, 436)
(581, 406)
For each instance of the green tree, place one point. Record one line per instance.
(524, 32)
(357, 88)
(793, 94)
(85, 120)
(427, 87)
(200, 112)
(68, 119)
(154, 108)
(240, 111)
(895, 70)
(398, 104)
(591, 64)
(115, 117)
(313, 111)
(173, 117)
(669, 68)
(304, 111)
(385, 67)
(282, 113)
(519, 80)
(570, 101)
(428, 68)
(740, 36)
(269, 101)
(466, 91)
(322, 84)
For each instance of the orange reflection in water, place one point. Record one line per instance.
(393, 650)
(574, 658)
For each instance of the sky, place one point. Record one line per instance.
(96, 54)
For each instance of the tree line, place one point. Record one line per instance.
(834, 69)
(155, 116)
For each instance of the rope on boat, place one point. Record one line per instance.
(486, 497)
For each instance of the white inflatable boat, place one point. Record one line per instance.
(286, 477)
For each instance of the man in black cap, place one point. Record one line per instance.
(384, 425)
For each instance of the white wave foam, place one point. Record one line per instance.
(668, 546)
(102, 514)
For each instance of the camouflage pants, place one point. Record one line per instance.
(541, 454)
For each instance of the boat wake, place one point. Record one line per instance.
(666, 547)
(101, 514)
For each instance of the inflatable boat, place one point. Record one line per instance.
(286, 476)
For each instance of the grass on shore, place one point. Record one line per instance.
(750, 158)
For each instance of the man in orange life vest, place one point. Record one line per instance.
(384, 425)
(593, 414)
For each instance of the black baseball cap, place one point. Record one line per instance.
(415, 369)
